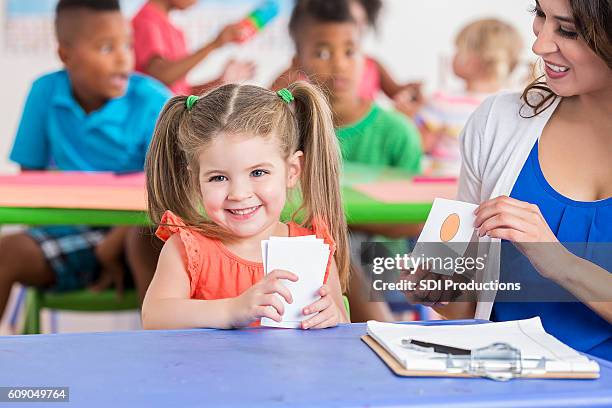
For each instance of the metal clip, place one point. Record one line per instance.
(499, 362)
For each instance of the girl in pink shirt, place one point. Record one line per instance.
(161, 50)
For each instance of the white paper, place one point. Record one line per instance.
(444, 213)
(526, 335)
(264, 255)
(293, 239)
(307, 258)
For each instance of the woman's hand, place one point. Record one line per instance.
(513, 220)
(261, 299)
(522, 224)
(327, 313)
(430, 288)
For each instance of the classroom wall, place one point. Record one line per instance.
(414, 37)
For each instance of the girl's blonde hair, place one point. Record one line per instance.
(306, 125)
(497, 44)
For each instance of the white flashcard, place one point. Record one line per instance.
(292, 239)
(264, 255)
(264, 246)
(448, 231)
(306, 257)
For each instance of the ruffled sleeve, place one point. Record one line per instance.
(170, 225)
(321, 230)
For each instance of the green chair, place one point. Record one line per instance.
(80, 301)
(347, 306)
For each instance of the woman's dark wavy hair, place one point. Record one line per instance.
(593, 19)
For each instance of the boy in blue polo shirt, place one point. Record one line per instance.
(95, 115)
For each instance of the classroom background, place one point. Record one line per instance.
(27, 46)
(415, 41)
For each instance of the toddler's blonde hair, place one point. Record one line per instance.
(497, 44)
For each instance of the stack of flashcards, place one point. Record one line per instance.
(307, 258)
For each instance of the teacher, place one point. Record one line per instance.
(540, 167)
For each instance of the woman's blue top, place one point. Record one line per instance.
(585, 228)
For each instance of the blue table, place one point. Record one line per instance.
(257, 367)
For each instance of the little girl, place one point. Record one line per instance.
(234, 153)
(487, 52)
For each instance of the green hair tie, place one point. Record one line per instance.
(286, 95)
(190, 101)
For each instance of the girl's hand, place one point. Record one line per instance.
(260, 300)
(327, 313)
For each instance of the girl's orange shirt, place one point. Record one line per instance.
(217, 273)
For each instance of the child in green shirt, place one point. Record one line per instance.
(328, 50)
(382, 138)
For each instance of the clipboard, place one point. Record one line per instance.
(400, 371)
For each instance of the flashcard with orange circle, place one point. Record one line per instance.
(448, 230)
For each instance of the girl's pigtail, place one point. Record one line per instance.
(320, 182)
(169, 182)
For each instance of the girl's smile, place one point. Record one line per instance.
(243, 213)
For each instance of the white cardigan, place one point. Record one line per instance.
(495, 144)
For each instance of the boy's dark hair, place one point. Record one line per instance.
(319, 11)
(95, 5)
(372, 9)
(66, 18)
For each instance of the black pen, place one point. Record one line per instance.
(438, 348)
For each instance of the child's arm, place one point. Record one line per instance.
(169, 72)
(408, 98)
(31, 150)
(167, 304)
(109, 252)
(387, 83)
(330, 307)
(391, 88)
(430, 138)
